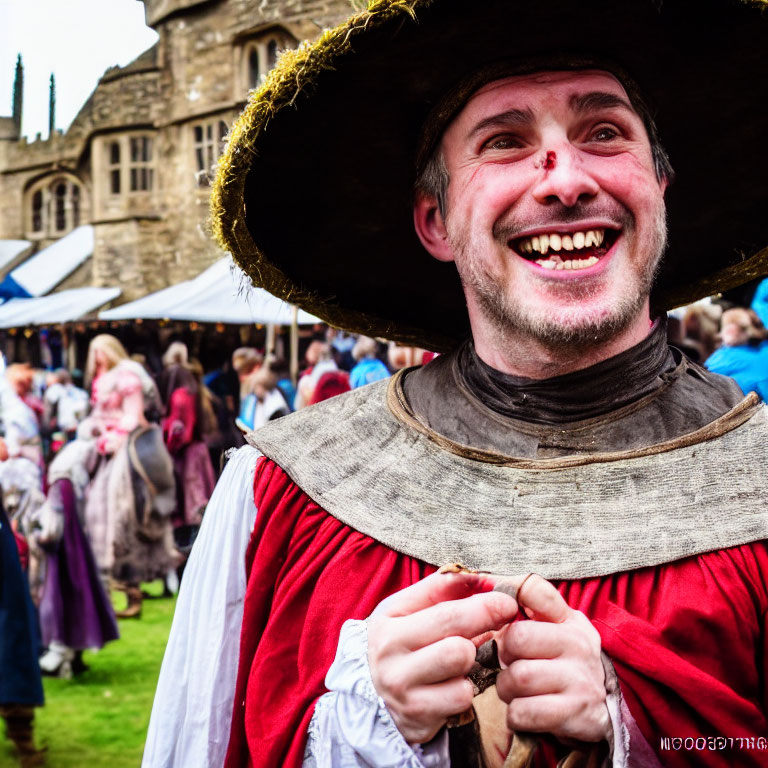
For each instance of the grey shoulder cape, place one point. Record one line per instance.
(366, 460)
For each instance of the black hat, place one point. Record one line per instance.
(313, 196)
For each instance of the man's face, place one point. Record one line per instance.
(555, 217)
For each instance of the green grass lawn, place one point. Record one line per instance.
(100, 718)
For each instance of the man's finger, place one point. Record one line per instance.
(536, 596)
(435, 589)
(467, 617)
(446, 659)
(441, 701)
(526, 677)
(550, 713)
(562, 715)
(533, 640)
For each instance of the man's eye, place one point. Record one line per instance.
(502, 142)
(604, 133)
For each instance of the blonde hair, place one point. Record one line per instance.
(113, 350)
(176, 354)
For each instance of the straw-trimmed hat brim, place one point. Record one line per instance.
(313, 195)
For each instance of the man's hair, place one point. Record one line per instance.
(433, 178)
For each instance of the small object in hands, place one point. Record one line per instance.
(523, 746)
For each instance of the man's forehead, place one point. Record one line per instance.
(541, 84)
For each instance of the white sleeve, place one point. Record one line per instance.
(190, 722)
(351, 726)
(628, 745)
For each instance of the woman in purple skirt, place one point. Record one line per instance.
(75, 612)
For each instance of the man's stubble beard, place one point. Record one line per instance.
(571, 329)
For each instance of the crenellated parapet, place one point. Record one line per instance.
(57, 149)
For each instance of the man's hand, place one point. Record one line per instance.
(422, 642)
(554, 680)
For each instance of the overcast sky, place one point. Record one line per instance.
(76, 40)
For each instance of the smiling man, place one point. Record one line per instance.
(604, 493)
(554, 216)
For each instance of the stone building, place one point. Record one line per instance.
(135, 162)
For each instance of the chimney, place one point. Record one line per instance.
(18, 94)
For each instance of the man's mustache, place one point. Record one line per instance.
(559, 215)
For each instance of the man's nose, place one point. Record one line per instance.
(568, 182)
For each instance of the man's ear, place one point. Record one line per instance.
(430, 227)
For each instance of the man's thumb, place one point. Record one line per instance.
(537, 598)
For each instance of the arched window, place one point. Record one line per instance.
(37, 211)
(254, 70)
(60, 206)
(55, 206)
(271, 53)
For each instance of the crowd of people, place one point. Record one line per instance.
(104, 485)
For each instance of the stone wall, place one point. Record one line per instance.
(195, 76)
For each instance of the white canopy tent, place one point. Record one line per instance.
(42, 272)
(61, 307)
(10, 249)
(221, 294)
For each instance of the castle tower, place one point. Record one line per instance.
(18, 94)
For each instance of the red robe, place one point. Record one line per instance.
(686, 638)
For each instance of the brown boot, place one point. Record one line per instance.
(133, 609)
(20, 729)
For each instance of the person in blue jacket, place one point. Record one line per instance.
(744, 352)
(760, 301)
(369, 368)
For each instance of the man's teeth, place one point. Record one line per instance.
(576, 241)
(569, 264)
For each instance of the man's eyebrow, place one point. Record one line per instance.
(595, 100)
(511, 117)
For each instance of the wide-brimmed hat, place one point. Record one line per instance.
(314, 193)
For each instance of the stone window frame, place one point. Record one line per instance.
(130, 162)
(54, 205)
(114, 167)
(141, 164)
(208, 141)
(262, 49)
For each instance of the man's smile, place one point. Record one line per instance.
(566, 250)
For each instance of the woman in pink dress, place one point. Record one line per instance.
(133, 493)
